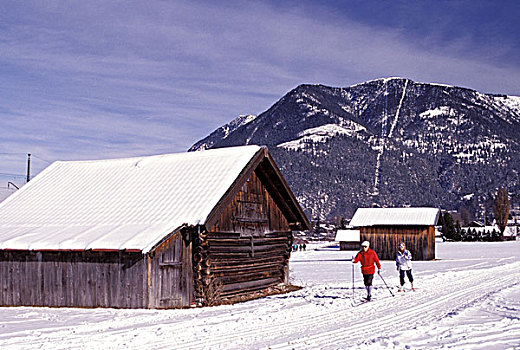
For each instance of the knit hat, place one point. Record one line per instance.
(365, 244)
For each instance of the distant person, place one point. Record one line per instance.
(403, 261)
(368, 258)
(304, 246)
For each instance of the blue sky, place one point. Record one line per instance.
(105, 79)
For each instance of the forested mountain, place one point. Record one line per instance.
(387, 142)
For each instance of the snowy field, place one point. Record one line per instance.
(468, 299)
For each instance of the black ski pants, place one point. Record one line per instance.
(408, 274)
(367, 279)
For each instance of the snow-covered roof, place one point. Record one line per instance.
(130, 203)
(348, 236)
(395, 216)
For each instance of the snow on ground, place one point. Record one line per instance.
(467, 299)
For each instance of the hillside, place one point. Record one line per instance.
(388, 142)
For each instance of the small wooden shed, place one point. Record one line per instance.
(385, 228)
(150, 232)
(349, 239)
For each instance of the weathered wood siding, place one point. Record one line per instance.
(252, 212)
(170, 273)
(419, 240)
(74, 279)
(249, 246)
(349, 245)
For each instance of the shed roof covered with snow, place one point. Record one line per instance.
(121, 204)
(395, 216)
(347, 235)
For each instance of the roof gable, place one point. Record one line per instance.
(129, 203)
(269, 174)
(395, 216)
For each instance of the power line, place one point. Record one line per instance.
(46, 161)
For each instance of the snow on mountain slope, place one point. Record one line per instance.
(390, 142)
(321, 134)
(510, 102)
(224, 131)
(467, 299)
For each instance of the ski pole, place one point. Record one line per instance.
(379, 273)
(352, 280)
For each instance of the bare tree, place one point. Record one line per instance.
(501, 209)
(465, 216)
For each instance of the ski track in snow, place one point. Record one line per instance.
(384, 139)
(398, 110)
(320, 316)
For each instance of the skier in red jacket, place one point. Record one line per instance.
(368, 258)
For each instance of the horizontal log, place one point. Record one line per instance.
(244, 241)
(242, 279)
(236, 255)
(221, 234)
(246, 269)
(247, 248)
(250, 274)
(239, 288)
(233, 263)
(225, 280)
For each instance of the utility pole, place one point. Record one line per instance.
(28, 167)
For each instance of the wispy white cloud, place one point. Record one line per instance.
(106, 79)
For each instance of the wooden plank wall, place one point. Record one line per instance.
(343, 245)
(252, 212)
(171, 276)
(249, 246)
(419, 240)
(74, 279)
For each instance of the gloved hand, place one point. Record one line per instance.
(397, 268)
(379, 271)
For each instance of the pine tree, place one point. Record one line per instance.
(343, 223)
(448, 227)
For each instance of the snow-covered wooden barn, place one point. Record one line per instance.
(348, 239)
(149, 232)
(385, 228)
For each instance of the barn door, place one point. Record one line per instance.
(171, 282)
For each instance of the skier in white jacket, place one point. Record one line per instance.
(404, 265)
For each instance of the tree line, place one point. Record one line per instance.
(451, 229)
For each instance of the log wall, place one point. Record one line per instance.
(73, 279)
(248, 248)
(419, 240)
(245, 264)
